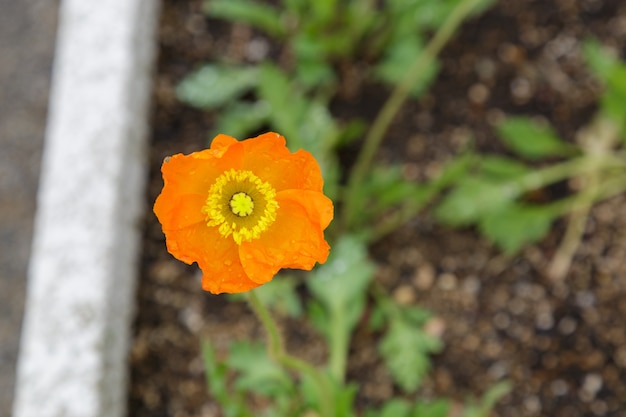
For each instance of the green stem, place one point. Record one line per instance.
(276, 349)
(554, 173)
(604, 190)
(396, 100)
(531, 181)
(338, 348)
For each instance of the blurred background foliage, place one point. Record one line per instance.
(394, 43)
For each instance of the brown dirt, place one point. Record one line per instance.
(562, 343)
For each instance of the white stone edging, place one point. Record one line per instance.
(82, 273)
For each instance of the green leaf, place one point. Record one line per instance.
(352, 129)
(488, 401)
(437, 408)
(614, 98)
(340, 287)
(516, 225)
(599, 61)
(215, 372)
(232, 403)
(453, 170)
(395, 407)
(405, 349)
(241, 119)
(415, 315)
(254, 13)
(498, 168)
(280, 295)
(400, 56)
(611, 72)
(305, 124)
(531, 140)
(257, 372)
(287, 105)
(472, 199)
(314, 74)
(385, 187)
(215, 85)
(341, 283)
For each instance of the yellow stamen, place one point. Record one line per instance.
(241, 204)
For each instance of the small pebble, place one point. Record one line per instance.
(447, 281)
(425, 277)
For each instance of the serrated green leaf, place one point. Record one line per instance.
(257, 372)
(531, 140)
(254, 13)
(405, 349)
(516, 225)
(472, 199)
(215, 85)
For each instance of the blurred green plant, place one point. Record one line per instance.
(394, 42)
(495, 193)
(322, 37)
(337, 306)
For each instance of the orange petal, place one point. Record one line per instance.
(269, 159)
(187, 180)
(221, 142)
(179, 211)
(196, 172)
(294, 240)
(217, 256)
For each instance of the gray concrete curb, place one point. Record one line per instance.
(75, 338)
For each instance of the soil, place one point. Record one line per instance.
(561, 342)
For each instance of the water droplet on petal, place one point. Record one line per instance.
(228, 262)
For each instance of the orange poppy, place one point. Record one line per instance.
(244, 210)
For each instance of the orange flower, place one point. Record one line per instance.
(244, 210)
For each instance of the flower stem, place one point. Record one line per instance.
(276, 350)
(339, 348)
(393, 104)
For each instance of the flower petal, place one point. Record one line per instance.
(187, 180)
(217, 257)
(196, 172)
(269, 159)
(295, 239)
(179, 211)
(221, 142)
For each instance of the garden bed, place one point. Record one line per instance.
(561, 342)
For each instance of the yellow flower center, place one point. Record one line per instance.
(240, 204)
